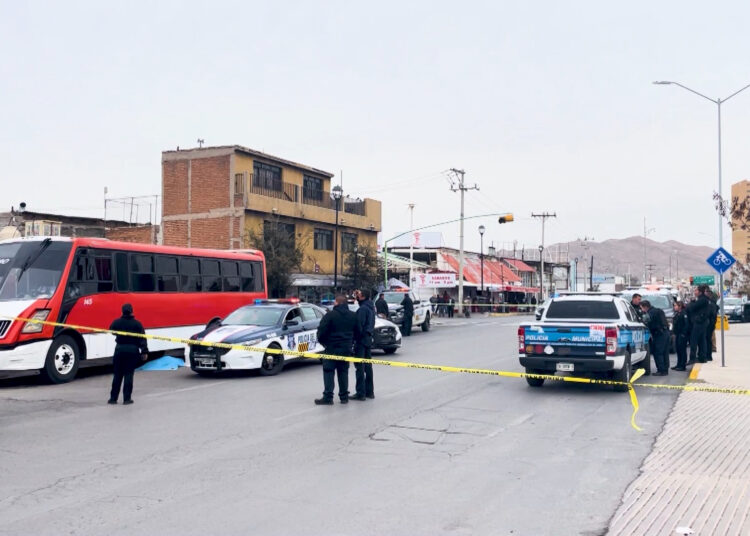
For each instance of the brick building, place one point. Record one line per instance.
(212, 197)
(740, 237)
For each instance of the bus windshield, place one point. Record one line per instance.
(31, 270)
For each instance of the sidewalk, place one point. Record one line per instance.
(698, 474)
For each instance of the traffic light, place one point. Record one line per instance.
(505, 218)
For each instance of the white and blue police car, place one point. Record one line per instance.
(278, 324)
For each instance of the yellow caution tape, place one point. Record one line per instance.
(424, 366)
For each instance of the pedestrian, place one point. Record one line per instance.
(713, 313)
(467, 307)
(363, 346)
(657, 324)
(408, 306)
(130, 350)
(381, 306)
(698, 313)
(635, 301)
(433, 304)
(681, 332)
(336, 333)
(451, 306)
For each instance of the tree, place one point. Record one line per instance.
(284, 253)
(362, 266)
(737, 213)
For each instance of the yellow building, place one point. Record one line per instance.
(215, 196)
(740, 238)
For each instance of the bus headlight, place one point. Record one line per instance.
(33, 327)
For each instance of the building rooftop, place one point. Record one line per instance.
(222, 149)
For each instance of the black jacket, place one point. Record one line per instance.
(638, 312)
(338, 328)
(680, 324)
(713, 312)
(365, 320)
(657, 321)
(381, 307)
(408, 306)
(127, 342)
(698, 310)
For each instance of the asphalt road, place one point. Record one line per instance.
(434, 453)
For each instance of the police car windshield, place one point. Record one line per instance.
(394, 297)
(589, 309)
(254, 316)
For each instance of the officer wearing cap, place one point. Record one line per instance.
(129, 352)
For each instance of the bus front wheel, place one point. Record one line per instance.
(63, 358)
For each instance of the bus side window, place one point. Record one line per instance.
(211, 275)
(121, 269)
(246, 275)
(142, 273)
(190, 280)
(258, 276)
(167, 277)
(230, 276)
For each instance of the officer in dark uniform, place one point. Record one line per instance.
(381, 306)
(657, 324)
(408, 306)
(363, 346)
(698, 313)
(336, 333)
(713, 314)
(635, 301)
(129, 352)
(681, 331)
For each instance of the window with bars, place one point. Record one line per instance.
(239, 183)
(324, 239)
(266, 176)
(348, 242)
(312, 188)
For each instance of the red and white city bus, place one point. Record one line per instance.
(85, 281)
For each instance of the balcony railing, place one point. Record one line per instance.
(276, 189)
(356, 207)
(318, 198)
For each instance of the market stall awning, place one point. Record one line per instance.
(495, 272)
(519, 265)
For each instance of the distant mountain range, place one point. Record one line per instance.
(623, 256)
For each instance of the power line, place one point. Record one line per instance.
(544, 217)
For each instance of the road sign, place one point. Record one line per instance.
(702, 280)
(721, 260)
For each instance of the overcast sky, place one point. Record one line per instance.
(548, 106)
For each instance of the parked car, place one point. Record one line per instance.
(734, 309)
(387, 336)
(278, 324)
(582, 334)
(422, 309)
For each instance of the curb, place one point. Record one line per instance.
(695, 372)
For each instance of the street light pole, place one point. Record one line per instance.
(718, 102)
(481, 256)
(411, 244)
(337, 194)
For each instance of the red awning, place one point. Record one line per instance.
(495, 272)
(519, 265)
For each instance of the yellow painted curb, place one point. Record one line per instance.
(694, 373)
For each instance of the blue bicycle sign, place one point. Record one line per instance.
(721, 260)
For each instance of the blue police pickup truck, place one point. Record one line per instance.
(584, 334)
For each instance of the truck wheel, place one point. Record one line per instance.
(63, 358)
(272, 363)
(623, 375)
(426, 323)
(534, 382)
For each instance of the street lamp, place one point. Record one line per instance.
(576, 280)
(356, 266)
(481, 254)
(337, 193)
(718, 102)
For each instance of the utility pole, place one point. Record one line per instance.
(411, 244)
(544, 217)
(646, 232)
(460, 187)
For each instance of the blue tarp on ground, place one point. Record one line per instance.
(164, 363)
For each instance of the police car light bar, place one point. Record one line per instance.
(260, 301)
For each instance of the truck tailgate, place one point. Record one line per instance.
(579, 340)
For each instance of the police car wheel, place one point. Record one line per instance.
(272, 363)
(63, 358)
(623, 375)
(426, 323)
(534, 382)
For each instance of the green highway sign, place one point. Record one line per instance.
(702, 280)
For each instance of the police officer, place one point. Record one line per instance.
(336, 333)
(698, 313)
(408, 306)
(657, 324)
(635, 301)
(381, 306)
(363, 345)
(713, 313)
(129, 351)
(681, 331)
